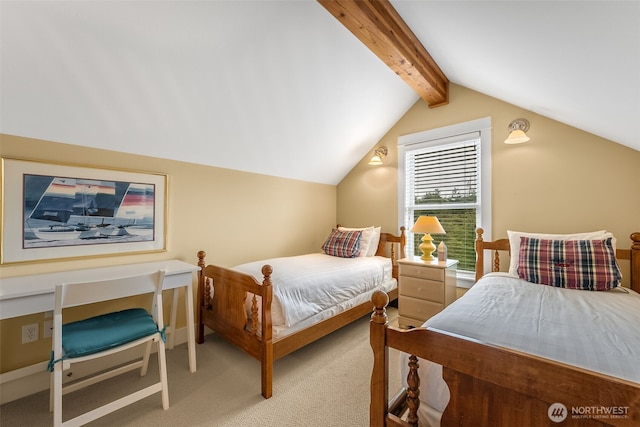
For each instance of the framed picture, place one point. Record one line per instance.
(61, 211)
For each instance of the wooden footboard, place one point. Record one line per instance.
(492, 385)
(227, 315)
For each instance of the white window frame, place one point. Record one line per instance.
(440, 136)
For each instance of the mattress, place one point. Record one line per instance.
(312, 287)
(592, 330)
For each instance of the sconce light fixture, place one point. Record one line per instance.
(378, 154)
(517, 129)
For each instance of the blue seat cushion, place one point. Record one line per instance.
(106, 331)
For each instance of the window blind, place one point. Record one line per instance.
(443, 180)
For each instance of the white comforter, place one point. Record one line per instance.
(306, 285)
(593, 330)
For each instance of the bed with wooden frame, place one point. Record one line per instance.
(492, 385)
(224, 310)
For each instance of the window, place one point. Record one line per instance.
(445, 172)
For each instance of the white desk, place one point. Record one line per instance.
(24, 295)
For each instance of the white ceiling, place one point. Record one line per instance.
(282, 88)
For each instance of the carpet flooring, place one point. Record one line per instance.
(324, 384)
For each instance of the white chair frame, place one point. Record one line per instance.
(75, 294)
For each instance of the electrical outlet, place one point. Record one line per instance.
(29, 333)
(47, 329)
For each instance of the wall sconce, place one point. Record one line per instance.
(378, 154)
(517, 129)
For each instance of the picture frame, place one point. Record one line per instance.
(59, 211)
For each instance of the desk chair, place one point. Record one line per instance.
(104, 335)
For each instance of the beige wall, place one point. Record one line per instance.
(234, 216)
(563, 180)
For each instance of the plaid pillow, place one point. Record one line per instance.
(574, 264)
(343, 244)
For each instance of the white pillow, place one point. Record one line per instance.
(365, 239)
(514, 242)
(375, 240)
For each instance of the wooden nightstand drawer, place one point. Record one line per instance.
(422, 289)
(422, 272)
(416, 308)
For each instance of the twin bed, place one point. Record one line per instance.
(514, 352)
(273, 307)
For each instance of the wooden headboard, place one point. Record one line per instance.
(395, 250)
(397, 244)
(502, 245)
(392, 246)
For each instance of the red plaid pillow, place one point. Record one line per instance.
(573, 264)
(343, 244)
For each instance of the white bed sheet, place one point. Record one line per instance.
(305, 286)
(283, 331)
(593, 330)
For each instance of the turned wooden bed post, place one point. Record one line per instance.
(481, 246)
(479, 254)
(267, 333)
(391, 240)
(380, 374)
(200, 299)
(634, 262)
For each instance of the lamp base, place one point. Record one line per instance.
(427, 247)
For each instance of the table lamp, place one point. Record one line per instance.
(427, 225)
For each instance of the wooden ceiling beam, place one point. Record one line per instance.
(379, 26)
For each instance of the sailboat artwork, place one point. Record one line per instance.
(56, 206)
(137, 209)
(61, 211)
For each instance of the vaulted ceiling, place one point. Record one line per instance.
(284, 88)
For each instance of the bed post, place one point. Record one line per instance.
(267, 333)
(200, 298)
(380, 374)
(481, 246)
(479, 254)
(634, 262)
(392, 240)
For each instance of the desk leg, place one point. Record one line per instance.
(174, 315)
(191, 337)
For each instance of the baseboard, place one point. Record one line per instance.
(35, 378)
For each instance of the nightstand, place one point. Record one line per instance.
(424, 289)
